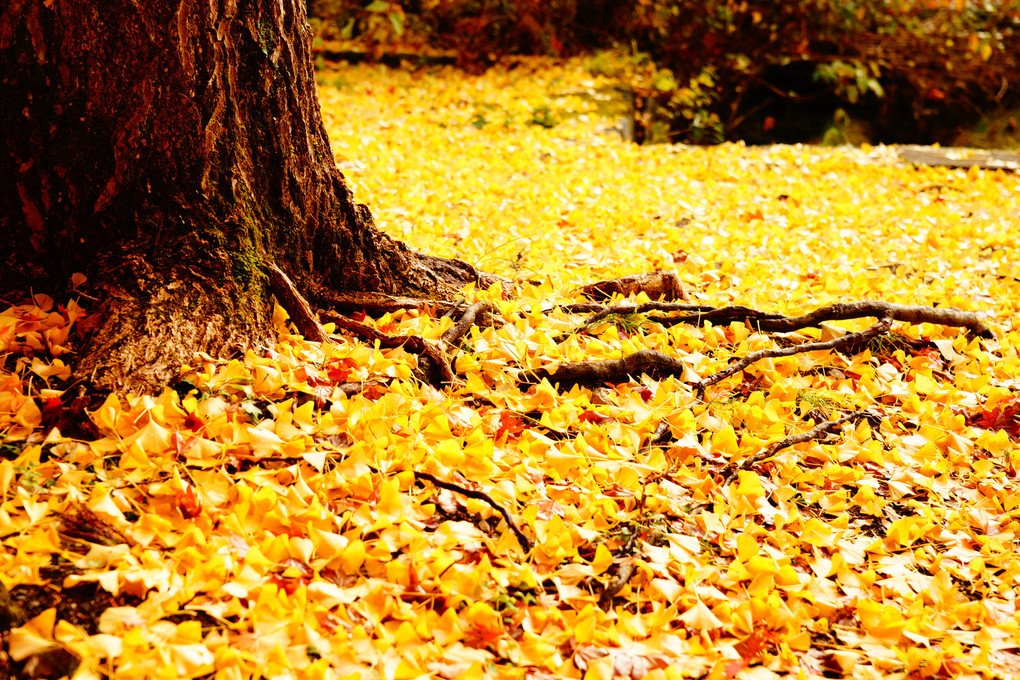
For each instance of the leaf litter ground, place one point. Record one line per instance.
(267, 519)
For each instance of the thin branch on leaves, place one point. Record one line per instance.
(613, 588)
(774, 353)
(481, 496)
(601, 312)
(662, 434)
(794, 439)
(624, 572)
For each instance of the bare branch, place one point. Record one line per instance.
(794, 439)
(613, 588)
(840, 311)
(773, 353)
(481, 496)
(457, 331)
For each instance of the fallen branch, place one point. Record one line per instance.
(481, 496)
(770, 322)
(352, 388)
(624, 572)
(628, 308)
(612, 589)
(662, 434)
(80, 525)
(773, 353)
(794, 439)
(915, 314)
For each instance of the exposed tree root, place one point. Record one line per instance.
(481, 496)
(730, 472)
(297, 307)
(457, 331)
(659, 365)
(647, 361)
(915, 314)
(602, 312)
(656, 285)
(770, 322)
(435, 364)
(375, 304)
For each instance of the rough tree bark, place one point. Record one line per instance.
(173, 151)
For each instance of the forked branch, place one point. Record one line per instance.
(481, 496)
(774, 353)
(794, 439)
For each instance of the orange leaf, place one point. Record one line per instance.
(188, 503)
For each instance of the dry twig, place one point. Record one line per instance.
(481, 496)
(794, 439)
(836, 343)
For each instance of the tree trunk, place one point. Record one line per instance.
(172, 151)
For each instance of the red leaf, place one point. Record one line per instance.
(339, 370)
(188, 503)
(194, 422)
(509, 424)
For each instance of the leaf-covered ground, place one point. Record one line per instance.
(259, 522)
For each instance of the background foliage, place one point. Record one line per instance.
(767, 71)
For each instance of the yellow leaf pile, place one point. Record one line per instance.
(256, 521)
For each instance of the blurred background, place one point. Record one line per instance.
(698, 72)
